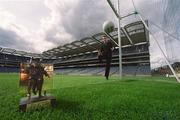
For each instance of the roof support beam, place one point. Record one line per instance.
(127, 35)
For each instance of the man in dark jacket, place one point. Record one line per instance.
(105, 52)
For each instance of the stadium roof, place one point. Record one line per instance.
(19, 53)
(135, 31)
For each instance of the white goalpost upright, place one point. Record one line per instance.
(117, 13)
(119, 40)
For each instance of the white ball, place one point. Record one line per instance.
(108, 26)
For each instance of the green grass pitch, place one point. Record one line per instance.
(93, 97)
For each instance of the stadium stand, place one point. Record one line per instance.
(163, 70)
(80, 56)
(10, 59)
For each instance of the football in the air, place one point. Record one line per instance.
(108, 26)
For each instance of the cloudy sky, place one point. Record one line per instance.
(39, 25)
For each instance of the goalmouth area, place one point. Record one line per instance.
(93, 97)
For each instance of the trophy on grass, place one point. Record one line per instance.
(33, 84)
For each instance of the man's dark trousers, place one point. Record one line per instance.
(108, 65)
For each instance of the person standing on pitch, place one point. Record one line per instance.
(105, 52)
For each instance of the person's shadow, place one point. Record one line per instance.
(69, 106)
(130, 80)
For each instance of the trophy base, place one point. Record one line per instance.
(35, 99)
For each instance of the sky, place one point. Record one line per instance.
(39, 25)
